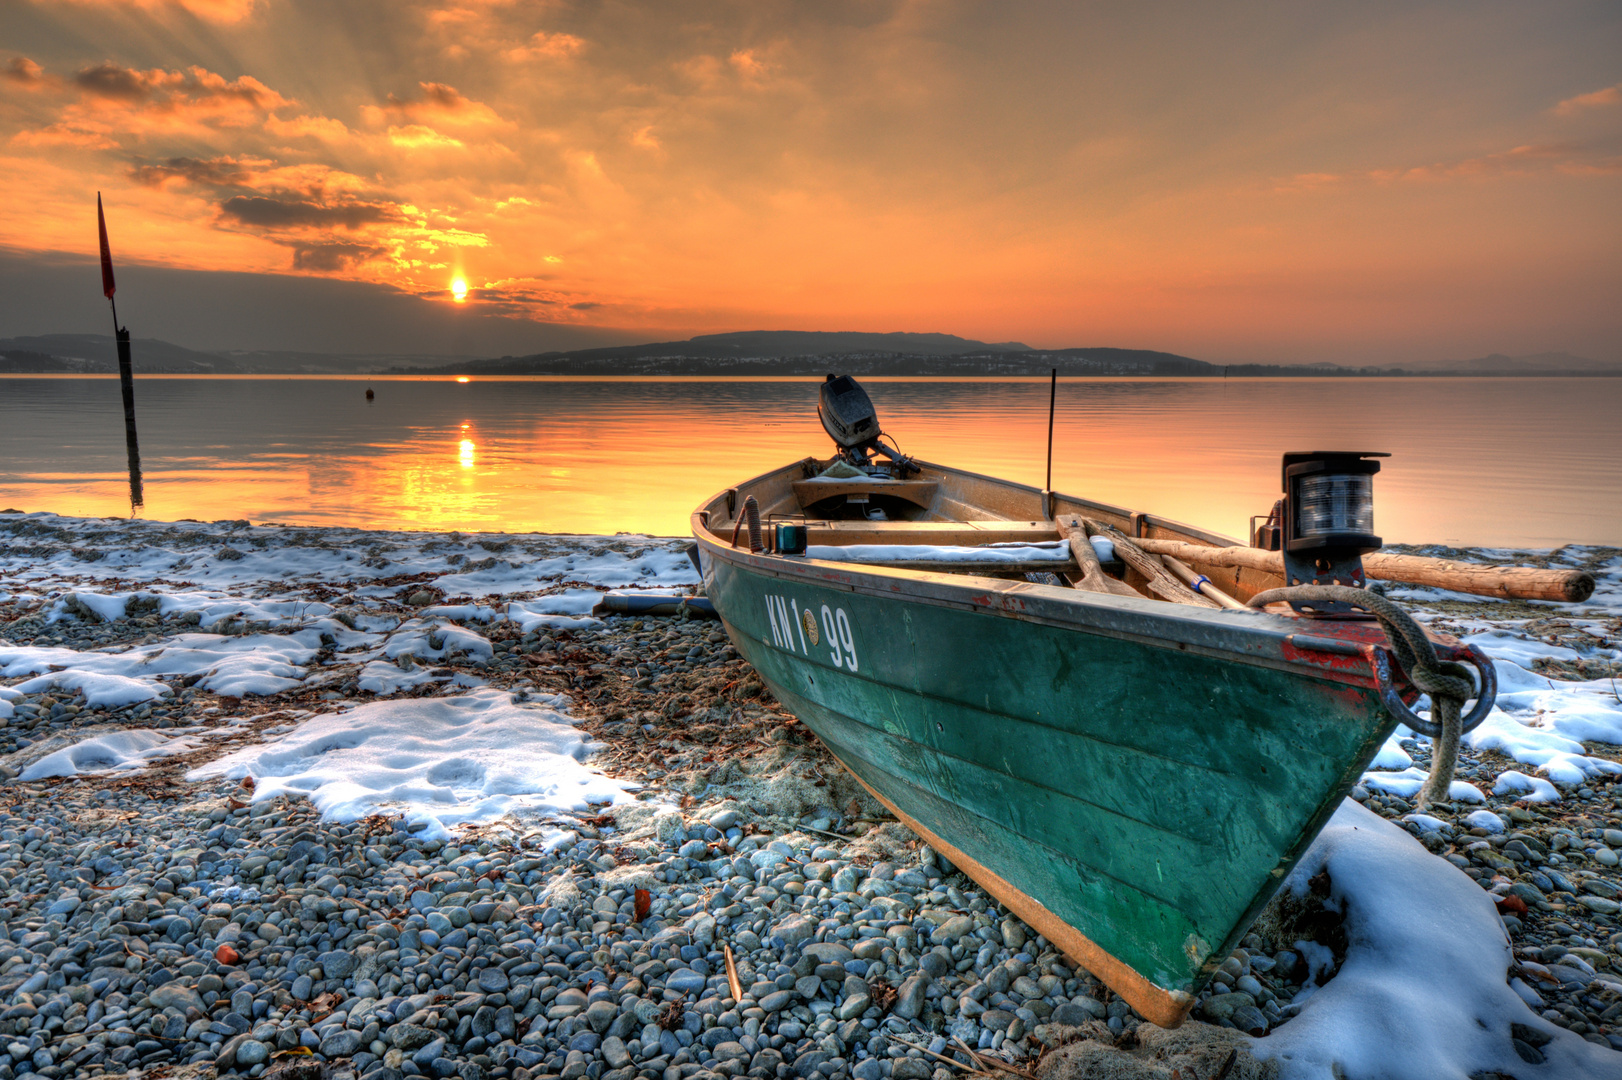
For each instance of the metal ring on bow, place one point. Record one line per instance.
(1380, 661)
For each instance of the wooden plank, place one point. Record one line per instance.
(1092, 577)
(1160, 580)
(953, 533)
(921, 492)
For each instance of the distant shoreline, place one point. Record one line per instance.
(771, 354)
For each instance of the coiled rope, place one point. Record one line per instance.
(1449, 684)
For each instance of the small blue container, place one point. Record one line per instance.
(791, 538)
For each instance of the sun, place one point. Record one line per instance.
(459, 290)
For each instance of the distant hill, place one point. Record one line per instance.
(92, 353)
(796, 352)
(1550, 363)
(98, 354)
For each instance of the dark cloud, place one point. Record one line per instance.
(209, 172)
(175, 89)
(586, 305)
(435, 94)
(269, 213)
(332, 257)
(107, 79)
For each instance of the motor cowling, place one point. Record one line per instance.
(847, 413)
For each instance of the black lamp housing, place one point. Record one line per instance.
(1328, 519)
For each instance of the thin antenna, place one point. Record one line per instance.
(1047, 490)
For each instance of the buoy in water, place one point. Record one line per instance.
(369, 394)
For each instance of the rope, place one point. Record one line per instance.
(1449, 684)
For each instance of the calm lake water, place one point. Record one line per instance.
(1475, 461)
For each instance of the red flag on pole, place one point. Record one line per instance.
(107, 287)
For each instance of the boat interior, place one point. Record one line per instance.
(946, 520)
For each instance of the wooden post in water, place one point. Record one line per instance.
(1047, 488)
(126, 371)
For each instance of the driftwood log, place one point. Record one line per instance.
(1092, 577)
(1505, 582)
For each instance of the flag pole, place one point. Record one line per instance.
(126, 371)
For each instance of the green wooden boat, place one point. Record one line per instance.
(1133, 777)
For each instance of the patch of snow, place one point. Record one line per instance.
(1423, 992)
(1391, 755)
(1426, 823)
(117, 751)
(382, 678)
(1539, 741)
(1408, 782)
(440, 761)
(99, 689)
(567, 610)
(1485, 819)
(461, 612)
(1536, 788)
(426, 639)
(253, 664)
(1514, 648)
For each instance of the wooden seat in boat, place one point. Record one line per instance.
(817, 493)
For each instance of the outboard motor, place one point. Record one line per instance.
(847, 413)
(848, 416)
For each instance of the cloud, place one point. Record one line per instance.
(1610, 95)
(418, 137)
(1517, 160)
(24, 72)
(1525, 160)
(65, 135)
(216, 11)
(116, 102)
(647, 140)
(175, 89)
(210, 172)
(439, 103)
(544, 46)
(334, 256)
(748, 64)
(324, 128)
(262, 212)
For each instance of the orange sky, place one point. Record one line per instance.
(1279, 182)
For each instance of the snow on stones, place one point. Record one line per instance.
(440, 761)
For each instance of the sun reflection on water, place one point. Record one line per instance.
(467, 453)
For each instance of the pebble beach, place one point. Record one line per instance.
(232, 843)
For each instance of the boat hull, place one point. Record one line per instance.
(1134, 785)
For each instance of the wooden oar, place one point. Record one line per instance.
(1161, 581)
(1201, 584)
(1092, 577)
(1506, 582)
